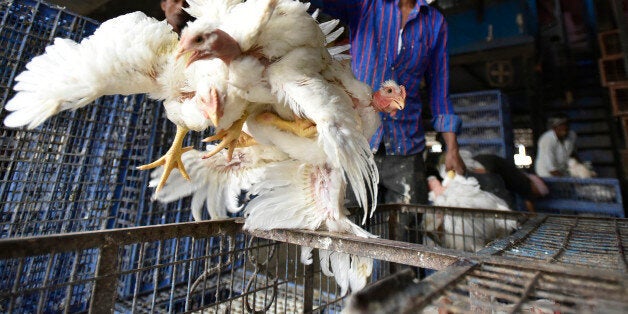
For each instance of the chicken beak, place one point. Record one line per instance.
(211, 108)
(185, 48)
(398, 103)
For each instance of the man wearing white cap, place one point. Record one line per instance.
(554, 148)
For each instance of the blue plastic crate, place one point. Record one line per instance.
(51, 269)
(211, 251)
(597, 196)
(486, 122)
(77, 172)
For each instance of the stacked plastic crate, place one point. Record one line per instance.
(486, 124)
(595, 197)
(613, 75)
(77, 172)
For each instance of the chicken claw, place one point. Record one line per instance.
(299, 127)
(230, 138)
(171, 159)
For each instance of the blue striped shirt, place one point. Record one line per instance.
(374, 27)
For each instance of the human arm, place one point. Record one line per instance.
(445, 121)
(453, 161)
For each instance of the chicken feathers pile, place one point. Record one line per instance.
(287, 107)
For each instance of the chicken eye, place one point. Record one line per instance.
(389, 90)
(198, 39)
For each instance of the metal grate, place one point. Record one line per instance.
(232, 271)
(498, 288)
(226, 270)
(571, 241)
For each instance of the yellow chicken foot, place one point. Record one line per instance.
(299, 127)
(230, 138)
(171, 159)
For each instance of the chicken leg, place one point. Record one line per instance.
(231, 138)
(171, 159)
(299, 127)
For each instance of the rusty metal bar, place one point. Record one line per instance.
(620, 247)
(419, 255)
(434, 285)
(105, 287)
(416, 208)
(308, 285)
(526, 292)
(392, 251)
(564, 244)
(29, 246)
(382, 295)
(528, 228)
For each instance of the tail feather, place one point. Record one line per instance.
(328, 28)
(339, 135)
(349, 271)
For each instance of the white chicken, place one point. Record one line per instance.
(126, 55)
(466, 231)
(302, 76)
(294, 187)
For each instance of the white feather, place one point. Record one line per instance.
(467, 231)
(122, 57)
(216, 182)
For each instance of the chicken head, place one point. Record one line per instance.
(390, 98)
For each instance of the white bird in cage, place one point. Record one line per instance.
(469, 231)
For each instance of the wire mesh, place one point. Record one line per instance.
(461, 229)
(76, 172)
(228, 271)
(572, 241)
(499, 288)
(486, 127)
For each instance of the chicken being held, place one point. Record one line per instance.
(293, 184)
(303, 79)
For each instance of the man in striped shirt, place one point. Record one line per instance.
(404, 40)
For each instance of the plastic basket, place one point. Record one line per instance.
(218, 249)
(45, 270)
(597, 196)
(486, 124)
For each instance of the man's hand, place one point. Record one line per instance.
(453, 161)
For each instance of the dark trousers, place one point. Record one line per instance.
(402, 180)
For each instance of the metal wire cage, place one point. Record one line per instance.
(560, 263)
(76, 172)
(594, 196)
(67, 187)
